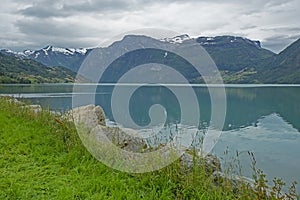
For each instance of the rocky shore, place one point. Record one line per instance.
(94, 117)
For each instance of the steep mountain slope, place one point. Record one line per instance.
(17, 70)
(283, 68)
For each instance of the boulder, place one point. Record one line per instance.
(89, 115)
(93, 118)
(123, 138)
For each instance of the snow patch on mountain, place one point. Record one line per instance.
(45, 51)
(177, 39)
(28, 52)
(37, 55)
(69, 51)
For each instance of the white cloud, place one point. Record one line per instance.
(36, 23)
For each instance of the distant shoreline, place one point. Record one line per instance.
(158, 84)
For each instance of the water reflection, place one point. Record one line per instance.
(245, 105)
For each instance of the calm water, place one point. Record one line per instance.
(264, 120)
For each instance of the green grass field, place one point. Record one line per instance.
(41, 157)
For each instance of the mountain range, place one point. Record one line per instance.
(53, 56)
(240, 60)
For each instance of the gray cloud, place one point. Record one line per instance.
(82, 23)
(42, 12)
(99, 6)
(60, 8)
(286, 29)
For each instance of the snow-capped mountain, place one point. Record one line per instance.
(228, 52)
(242, 60)
(221, 40)
(66, 51)
(53, 56)
(47, 50)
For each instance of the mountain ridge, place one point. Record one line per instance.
(239, 59)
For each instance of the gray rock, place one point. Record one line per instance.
(89, 115)
(93, 118)
(126, 139)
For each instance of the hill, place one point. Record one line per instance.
(17, 70)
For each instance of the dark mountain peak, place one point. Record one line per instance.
(133, 36)
(131, 40)
(177, 39)
(142, 38)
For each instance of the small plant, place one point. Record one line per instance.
(262, 190)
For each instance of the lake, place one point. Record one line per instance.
(264, 119)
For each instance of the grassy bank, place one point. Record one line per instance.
(41, 157)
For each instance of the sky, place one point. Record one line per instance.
(34, 24)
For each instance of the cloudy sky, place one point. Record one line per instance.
(32, 24)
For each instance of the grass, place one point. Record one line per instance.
(41, 157)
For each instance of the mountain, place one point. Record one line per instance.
(234, 53)
(283, 67)
(237, 58)
(53, 56)
(135, 51)
(229, 53)
(240, 60)
(17, 70)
